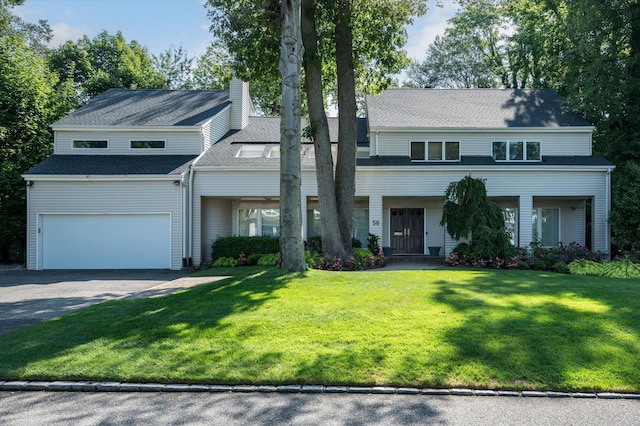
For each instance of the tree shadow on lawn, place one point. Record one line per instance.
(555, 332)
(134, 326)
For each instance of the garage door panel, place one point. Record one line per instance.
(106, 241)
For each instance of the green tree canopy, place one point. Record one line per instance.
(29, 103)
(104, 62)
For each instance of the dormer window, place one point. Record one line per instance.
(435, 151)
(142, 144)
(515, 151)
(90, 144)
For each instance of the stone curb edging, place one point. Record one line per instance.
(89, 386)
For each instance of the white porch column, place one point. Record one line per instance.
(196, 237)
(375, 216)
(303, 208)
(524, 220)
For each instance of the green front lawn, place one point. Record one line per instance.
(443, 328)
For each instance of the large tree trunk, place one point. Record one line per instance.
(332, 245)
(347, 133)
(291, 242)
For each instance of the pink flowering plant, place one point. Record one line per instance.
(360, 260)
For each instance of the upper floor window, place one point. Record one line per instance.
(90, 144)
(515, 151)
(435, 151)
(147, 144)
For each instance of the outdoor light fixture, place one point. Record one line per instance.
(29, 183)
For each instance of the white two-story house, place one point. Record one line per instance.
(148, 179)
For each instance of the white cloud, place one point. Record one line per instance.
(424, 29)
(64, 32)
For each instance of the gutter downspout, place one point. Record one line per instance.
(185, 261)
(190, 201)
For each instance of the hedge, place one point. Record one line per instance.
(233, 246)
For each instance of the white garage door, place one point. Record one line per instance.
(106, 241)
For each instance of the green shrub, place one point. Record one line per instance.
(252, 259)
(356, 243)
(462, 249)
(585, 267)
(269, 259)
(621, 269)
(561, 268)
(314, 244)
(225, 262)
(373, 243)
(233, 246)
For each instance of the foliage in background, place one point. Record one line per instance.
(104, 62)
(209, 71)
(31, 98)
(619, 269)
(234, 245)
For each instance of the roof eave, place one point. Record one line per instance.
(518, 168)
(408, 129)
(85, 128)
(85, 178)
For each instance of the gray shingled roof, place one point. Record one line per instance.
(123, 107)
(480, 160)
(112, 165)
(469, 108)
(265, 130)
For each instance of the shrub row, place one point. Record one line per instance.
(240, 251)
(536, 257)
(233, 246)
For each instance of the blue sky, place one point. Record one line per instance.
(160, 24)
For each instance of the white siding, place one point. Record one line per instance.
(218, 127)
(216, 222)
(176, 143)
(572, 222)
(435, 232)
(422, 187)
(523, 185)
(105, 197)
(240, 103)
(479, 143)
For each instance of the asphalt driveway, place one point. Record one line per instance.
(28, 297)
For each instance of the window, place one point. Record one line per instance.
(436, 151)
(511, 223)
(254, 222)
(515, 151)
(90, 144)
(250, 151)
(417, 151)
(146, 144)
(360, 229)
(546, 226)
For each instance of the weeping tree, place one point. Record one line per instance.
(467, 211)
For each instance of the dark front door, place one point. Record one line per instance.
(407, 231)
